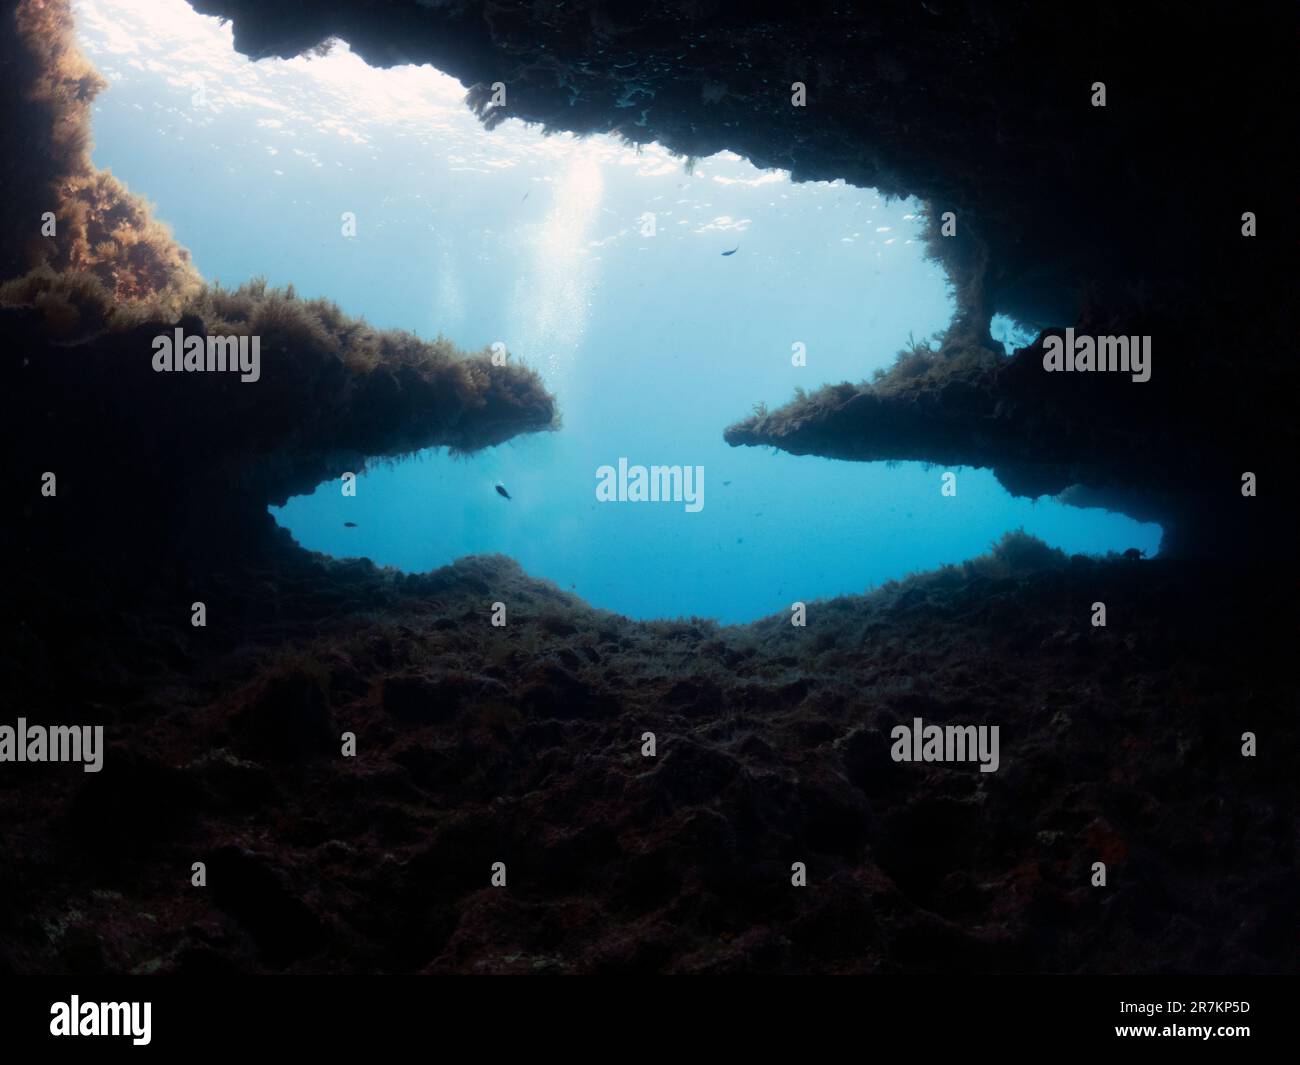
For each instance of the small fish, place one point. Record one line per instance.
(733, 250)
(501, 490)
(525, 195)
(349, 525)
(725, 483)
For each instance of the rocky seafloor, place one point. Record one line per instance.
(523, 744)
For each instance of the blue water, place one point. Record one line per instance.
(653, 343)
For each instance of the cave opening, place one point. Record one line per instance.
(659, 298)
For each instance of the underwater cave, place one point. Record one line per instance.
(605, 274)
(640, 445)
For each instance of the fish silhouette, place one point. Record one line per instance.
(349, 524)
(733, 250)
(501, 490)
